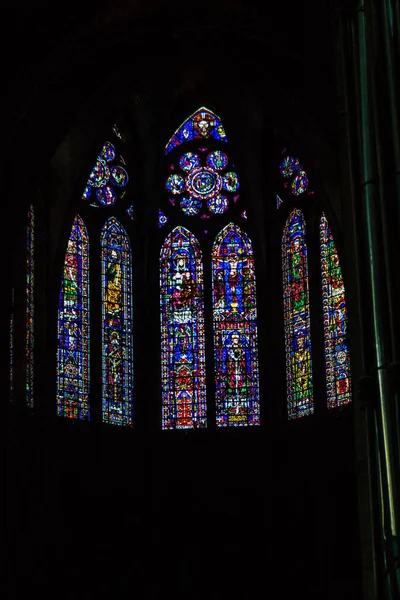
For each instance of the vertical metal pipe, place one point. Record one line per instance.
(395, 15)
(391, 26)
(393, 82)
(369, 192)
(351, 131)
(349, 77)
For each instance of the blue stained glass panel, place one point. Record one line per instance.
(299, 380)
(73, 327)
(202, 124)
(235, 329)
(30, 307)
(337, 355)
(182, 332)
(117, 341)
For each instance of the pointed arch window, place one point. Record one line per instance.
(117, 342)
(328, 285)
(297, 317)
(73, 327)
(30, 307)
(182, 332)
(337, 356)
(106, 194)
(203, 190)
(235, 329)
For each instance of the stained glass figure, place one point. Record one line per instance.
(106, 195)
(218, 204)
(162, 218)
(73, 327)
(175, 184)
(235, 329)
(190, 206)
(230, 182)
(30, 307)
(337, 357)
(217, 160)
(299, 183)
(182, 332)
(108, 180)
(117, 342)
(189, 161)
(202, 124)
(297, 317)
(279, 202)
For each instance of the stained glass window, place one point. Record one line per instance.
(182, 332)
(235, 329)
(29, 309)
(73, 327)
(202, 124)
(337, 358)
(297, 317)
(108, 179)
(117, 343)
(296, 178)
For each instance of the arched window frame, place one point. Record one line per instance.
(95, 215)
(313, 204)
(237, 213)
(312, 212)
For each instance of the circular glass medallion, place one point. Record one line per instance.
(190, 206)
(218, 204)
(300, 183)
(217, 160)
(231, 182)
(289, 165)
(106, 196)
(175, 184)
(100, 174)
(119, 176)
(203, 183)
(189, 161)
(162, 219)
(108, 152)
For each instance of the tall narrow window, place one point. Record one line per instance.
(235, 329)
(182, 332)
(337, 358)
(29, 307)
(117, 343)
(297, 318)
(73, 327)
